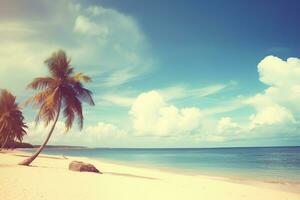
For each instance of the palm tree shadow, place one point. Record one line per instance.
(130, 175)
(42, 156)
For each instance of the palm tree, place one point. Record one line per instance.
(62, 90)
(12, 126)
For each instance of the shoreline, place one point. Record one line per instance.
(192, 172)
(284, 185)
(186, 172)
(156, 182)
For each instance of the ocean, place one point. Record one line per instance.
(258, 163)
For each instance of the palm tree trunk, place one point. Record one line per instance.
(4, 143)
(30, 159)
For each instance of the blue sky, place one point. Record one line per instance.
(165, 73)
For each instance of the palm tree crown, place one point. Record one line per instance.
(62, 90)
(12, 126)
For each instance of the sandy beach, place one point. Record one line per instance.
(49, 178)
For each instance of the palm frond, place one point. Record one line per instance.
(69, 115)
(41, 83)
(49, 107)
(71, 101)
(39, 98)
(81, 77)
(83, 94)
(11, 118)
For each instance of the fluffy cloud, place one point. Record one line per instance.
(282, 78)
(274, 71)
(101, 134)
(104, 130)
(278, 104)
(153, 116)
(85, 26)
(272, 114)
(226, 124)
(113, 42)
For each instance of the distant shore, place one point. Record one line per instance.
(61, 147)
(49, 178)
(25, 145)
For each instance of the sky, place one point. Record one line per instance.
(165, 73)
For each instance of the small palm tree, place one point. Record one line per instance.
(12, 126)
(62, 90)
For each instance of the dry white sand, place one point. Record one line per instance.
(49, 178)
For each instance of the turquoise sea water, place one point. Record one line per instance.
(261, 163)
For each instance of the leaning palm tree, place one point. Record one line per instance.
(62, 90)
(12, 126)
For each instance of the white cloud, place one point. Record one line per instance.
(116, 99)
(153, 116)
(274, 71)
(85, 26)
(272, 116)
(278, 104)
(101, 134)
(118, 46)
(226, 124)
(211, 138)
(282, 77)
(104, 130)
